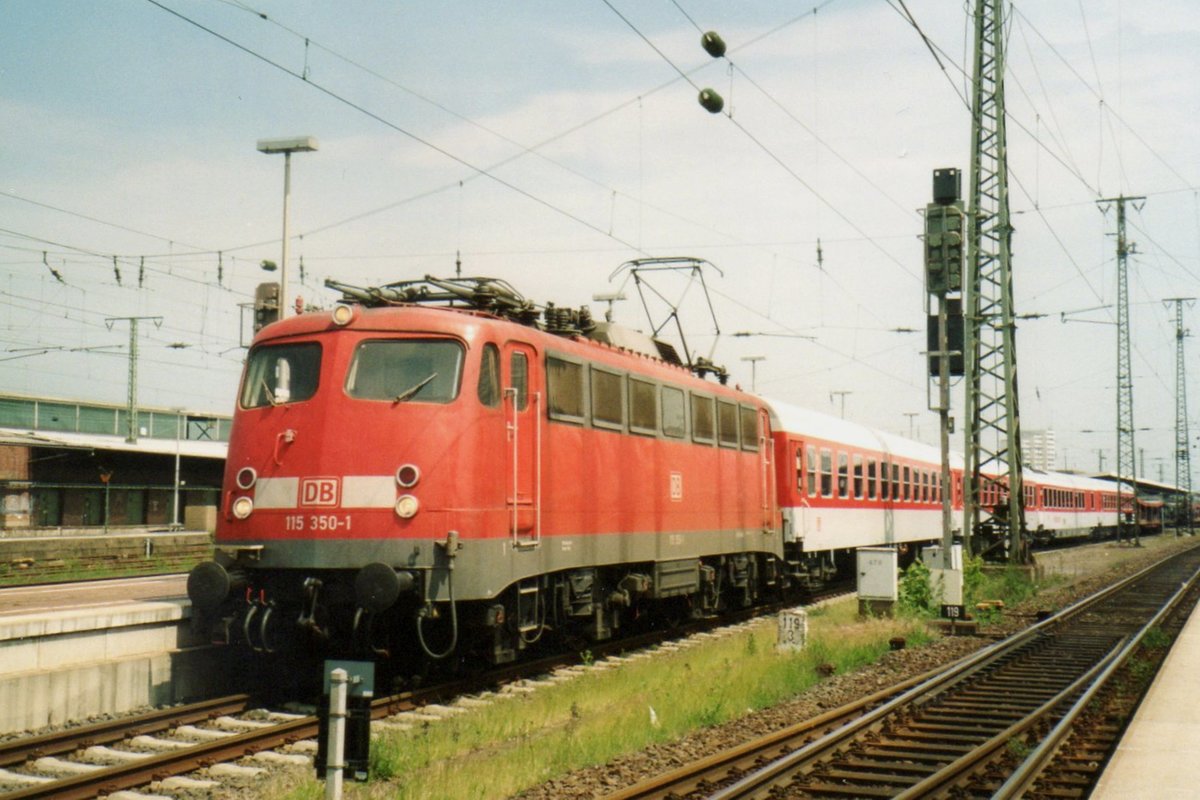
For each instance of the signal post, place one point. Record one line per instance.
(943, 281)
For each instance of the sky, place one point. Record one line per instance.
(548, 143)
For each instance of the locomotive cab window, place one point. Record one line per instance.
(674, 417)
(703, 422)
(405, 370)
(727, 424)
(282, 373)
(643, 407)
(564, 386)
(608, 405)
(488, 388)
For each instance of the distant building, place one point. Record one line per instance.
(67, 464)
(1038, 449)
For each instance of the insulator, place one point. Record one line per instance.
(712, 102)
(713, 44)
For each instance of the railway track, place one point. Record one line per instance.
(122, 754)
(1031, 714)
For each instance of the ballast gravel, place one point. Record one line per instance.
(1087, 570)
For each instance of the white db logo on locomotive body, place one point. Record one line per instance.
(322, 492)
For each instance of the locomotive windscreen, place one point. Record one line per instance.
(282, 373)
(401, 370)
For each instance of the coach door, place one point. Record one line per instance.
(522, 415)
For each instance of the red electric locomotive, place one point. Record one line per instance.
(433, 469)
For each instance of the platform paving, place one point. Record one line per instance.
(1159, 756)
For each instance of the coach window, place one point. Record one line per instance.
(858, 477)
(843, 475)
(703, 424)
(885, 492)
(871, 479)
(281, 373)
(749, 416)
(812, 471)
(405, 370)
(896, 482)
(727, 424)
(489, 376)
(608, 403)
(674, 419)
(643, 407)
(826, 472)
(519, 364)
(564, 389)
(799, 469)
(907, 484)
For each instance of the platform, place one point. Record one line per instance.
(1159, 756)
(74, 651)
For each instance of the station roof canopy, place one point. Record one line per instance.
(1143, 484)
(91, 441)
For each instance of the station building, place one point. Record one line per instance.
(68, 465)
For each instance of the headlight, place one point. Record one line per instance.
(408, 475)
(242, 507)
(343, 314)
(246, 477)
(407, 506)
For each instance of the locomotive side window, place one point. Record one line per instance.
(703, 423)
(727, 424)
(608, 405)
(643, 407)
(749, 417)
(564, 386)
(826, 472)
(674, 420)
(403, 370)
(489, 376)
(812, 471)
(519, 366)
(282, 373)
(843, 475)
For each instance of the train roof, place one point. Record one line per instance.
(794, 419)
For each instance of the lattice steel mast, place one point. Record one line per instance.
(1183, 459)
(993, 436)
(1126, 451)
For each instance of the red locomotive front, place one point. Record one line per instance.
(416, 480)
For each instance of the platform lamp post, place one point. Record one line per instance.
(179, 412)
(295, 144)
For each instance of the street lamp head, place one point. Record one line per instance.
(292, 144)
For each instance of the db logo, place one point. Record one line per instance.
(319, 492)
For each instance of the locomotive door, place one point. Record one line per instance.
(522, 416)
(770, 506)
